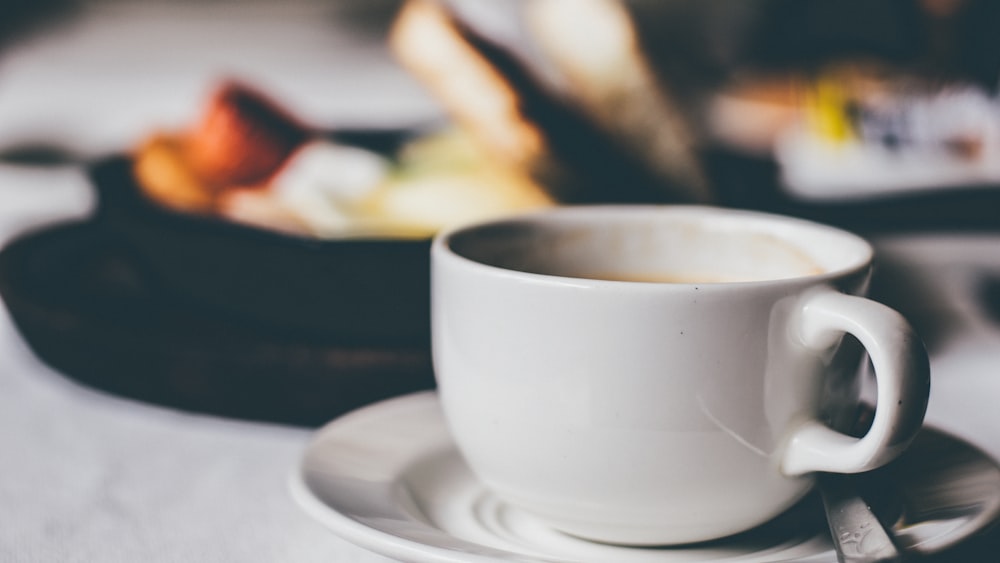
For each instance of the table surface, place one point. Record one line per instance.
(87, 476)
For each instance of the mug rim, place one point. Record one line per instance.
(441, 246)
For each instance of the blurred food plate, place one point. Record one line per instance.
(253, 212)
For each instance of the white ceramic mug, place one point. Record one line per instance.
(663, 412)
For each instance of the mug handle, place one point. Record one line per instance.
(902, 375)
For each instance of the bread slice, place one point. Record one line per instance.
(494, 96)
(478, 94)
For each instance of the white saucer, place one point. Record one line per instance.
(388, 478)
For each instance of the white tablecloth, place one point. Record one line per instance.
(89, 477)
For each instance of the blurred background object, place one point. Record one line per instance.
(622, 98)
(381, 122)
(853, 99)
(847, 102)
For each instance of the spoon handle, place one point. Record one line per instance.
(857, 533)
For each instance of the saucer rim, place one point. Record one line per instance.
(390, 545)
(395, 546)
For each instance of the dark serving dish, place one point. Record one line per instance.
(89, 310)
(362, 291)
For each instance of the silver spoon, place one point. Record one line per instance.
(933, 498)
(858, 535)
